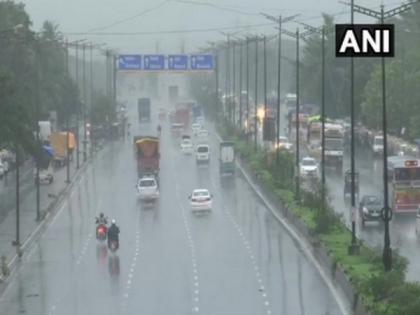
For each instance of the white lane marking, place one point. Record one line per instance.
(336, 291)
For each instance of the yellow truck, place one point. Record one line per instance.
(58, 141)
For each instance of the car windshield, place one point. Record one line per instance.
(147, 183)
(373, 201)
(186, 142)
(202, 149)
(308, 162)
(201, 194)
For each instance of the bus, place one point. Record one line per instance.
(404, 177)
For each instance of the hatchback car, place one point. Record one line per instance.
(147, 188)
(308, 167)
(370, 208)
(285, 144)
(201, 200)
(187, 146)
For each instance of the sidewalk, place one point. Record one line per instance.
(28, 223)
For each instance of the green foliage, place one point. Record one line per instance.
(103, 110)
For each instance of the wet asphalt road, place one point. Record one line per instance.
(236, 260)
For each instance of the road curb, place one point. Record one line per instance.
(343, 292)
(50, 213)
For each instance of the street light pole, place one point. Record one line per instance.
(247, 89)
(234, 82)
(17, 241)
(278, 94)
(77, 111)
(84, 105)
(256, 95)
(240, 85)
(67, 119)
(386, 212)
(297, 188)
(323, 118)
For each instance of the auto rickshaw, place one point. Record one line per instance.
(347, 183)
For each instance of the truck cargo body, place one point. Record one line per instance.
(58, 141)
(147, 155)
(334, 145)
(143, 108)
(227, 158)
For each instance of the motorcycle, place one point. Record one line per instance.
(101, 232)
(113, 245)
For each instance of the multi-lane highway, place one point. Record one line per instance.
(236, 260)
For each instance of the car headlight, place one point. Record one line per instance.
(365, 210)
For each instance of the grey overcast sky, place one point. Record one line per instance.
(122, 16)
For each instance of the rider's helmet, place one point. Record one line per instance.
(113, 221)
(101, 215)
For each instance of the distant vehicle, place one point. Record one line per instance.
(143, 109)
(202, 135)
(334, 145)
(187, 146)
(200, 120)
(46, 175)
(348, 183)
(177, 129)
(58, 141)
(44, 130)
(173, 93)
(404, 186)
(227, 158)
(285, 144)
(201, 200)
(197, 111)
(378, 145)
(195, 127)
(370, 208)
(147, 188)
(203, 154)
(147, 155)
(290, 100)
(308, 167)
(2, 170)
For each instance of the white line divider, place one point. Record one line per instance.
(336, 291)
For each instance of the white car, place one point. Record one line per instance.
(46, 176)
(201, 200)
(147, 188)
(195, 128)
(187, 146)
(308, 167)
(202, 153)
(285, 144)
(202, 135)
(2, 170)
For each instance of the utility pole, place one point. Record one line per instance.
(247, 89)
(240, 85)
(37, 183)
(84, 105)
(234, 82)
(386, 211)
(310, 29)
(114, 81)
(256, 95)
(67, 119)
(297, 188)
(77, 111)
(265, 76)
(216, 59)
(280, 21)
(17, 241)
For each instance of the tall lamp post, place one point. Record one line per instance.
(386, 211)
(280, 21)
(322, 31)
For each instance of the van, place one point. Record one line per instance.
(202, 153)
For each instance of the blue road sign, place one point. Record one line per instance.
(202, 62)
(154, 62)
(177, 62)
(129, 62)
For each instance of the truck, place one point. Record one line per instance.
(378, 144)
(44, 130)
(290, 101)
(227, 158)
(143, 108)
(182, 116)
(147, 155)
(173, 93)
(197, 111)
(334, 145)
(314, 137)
(58, 142)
